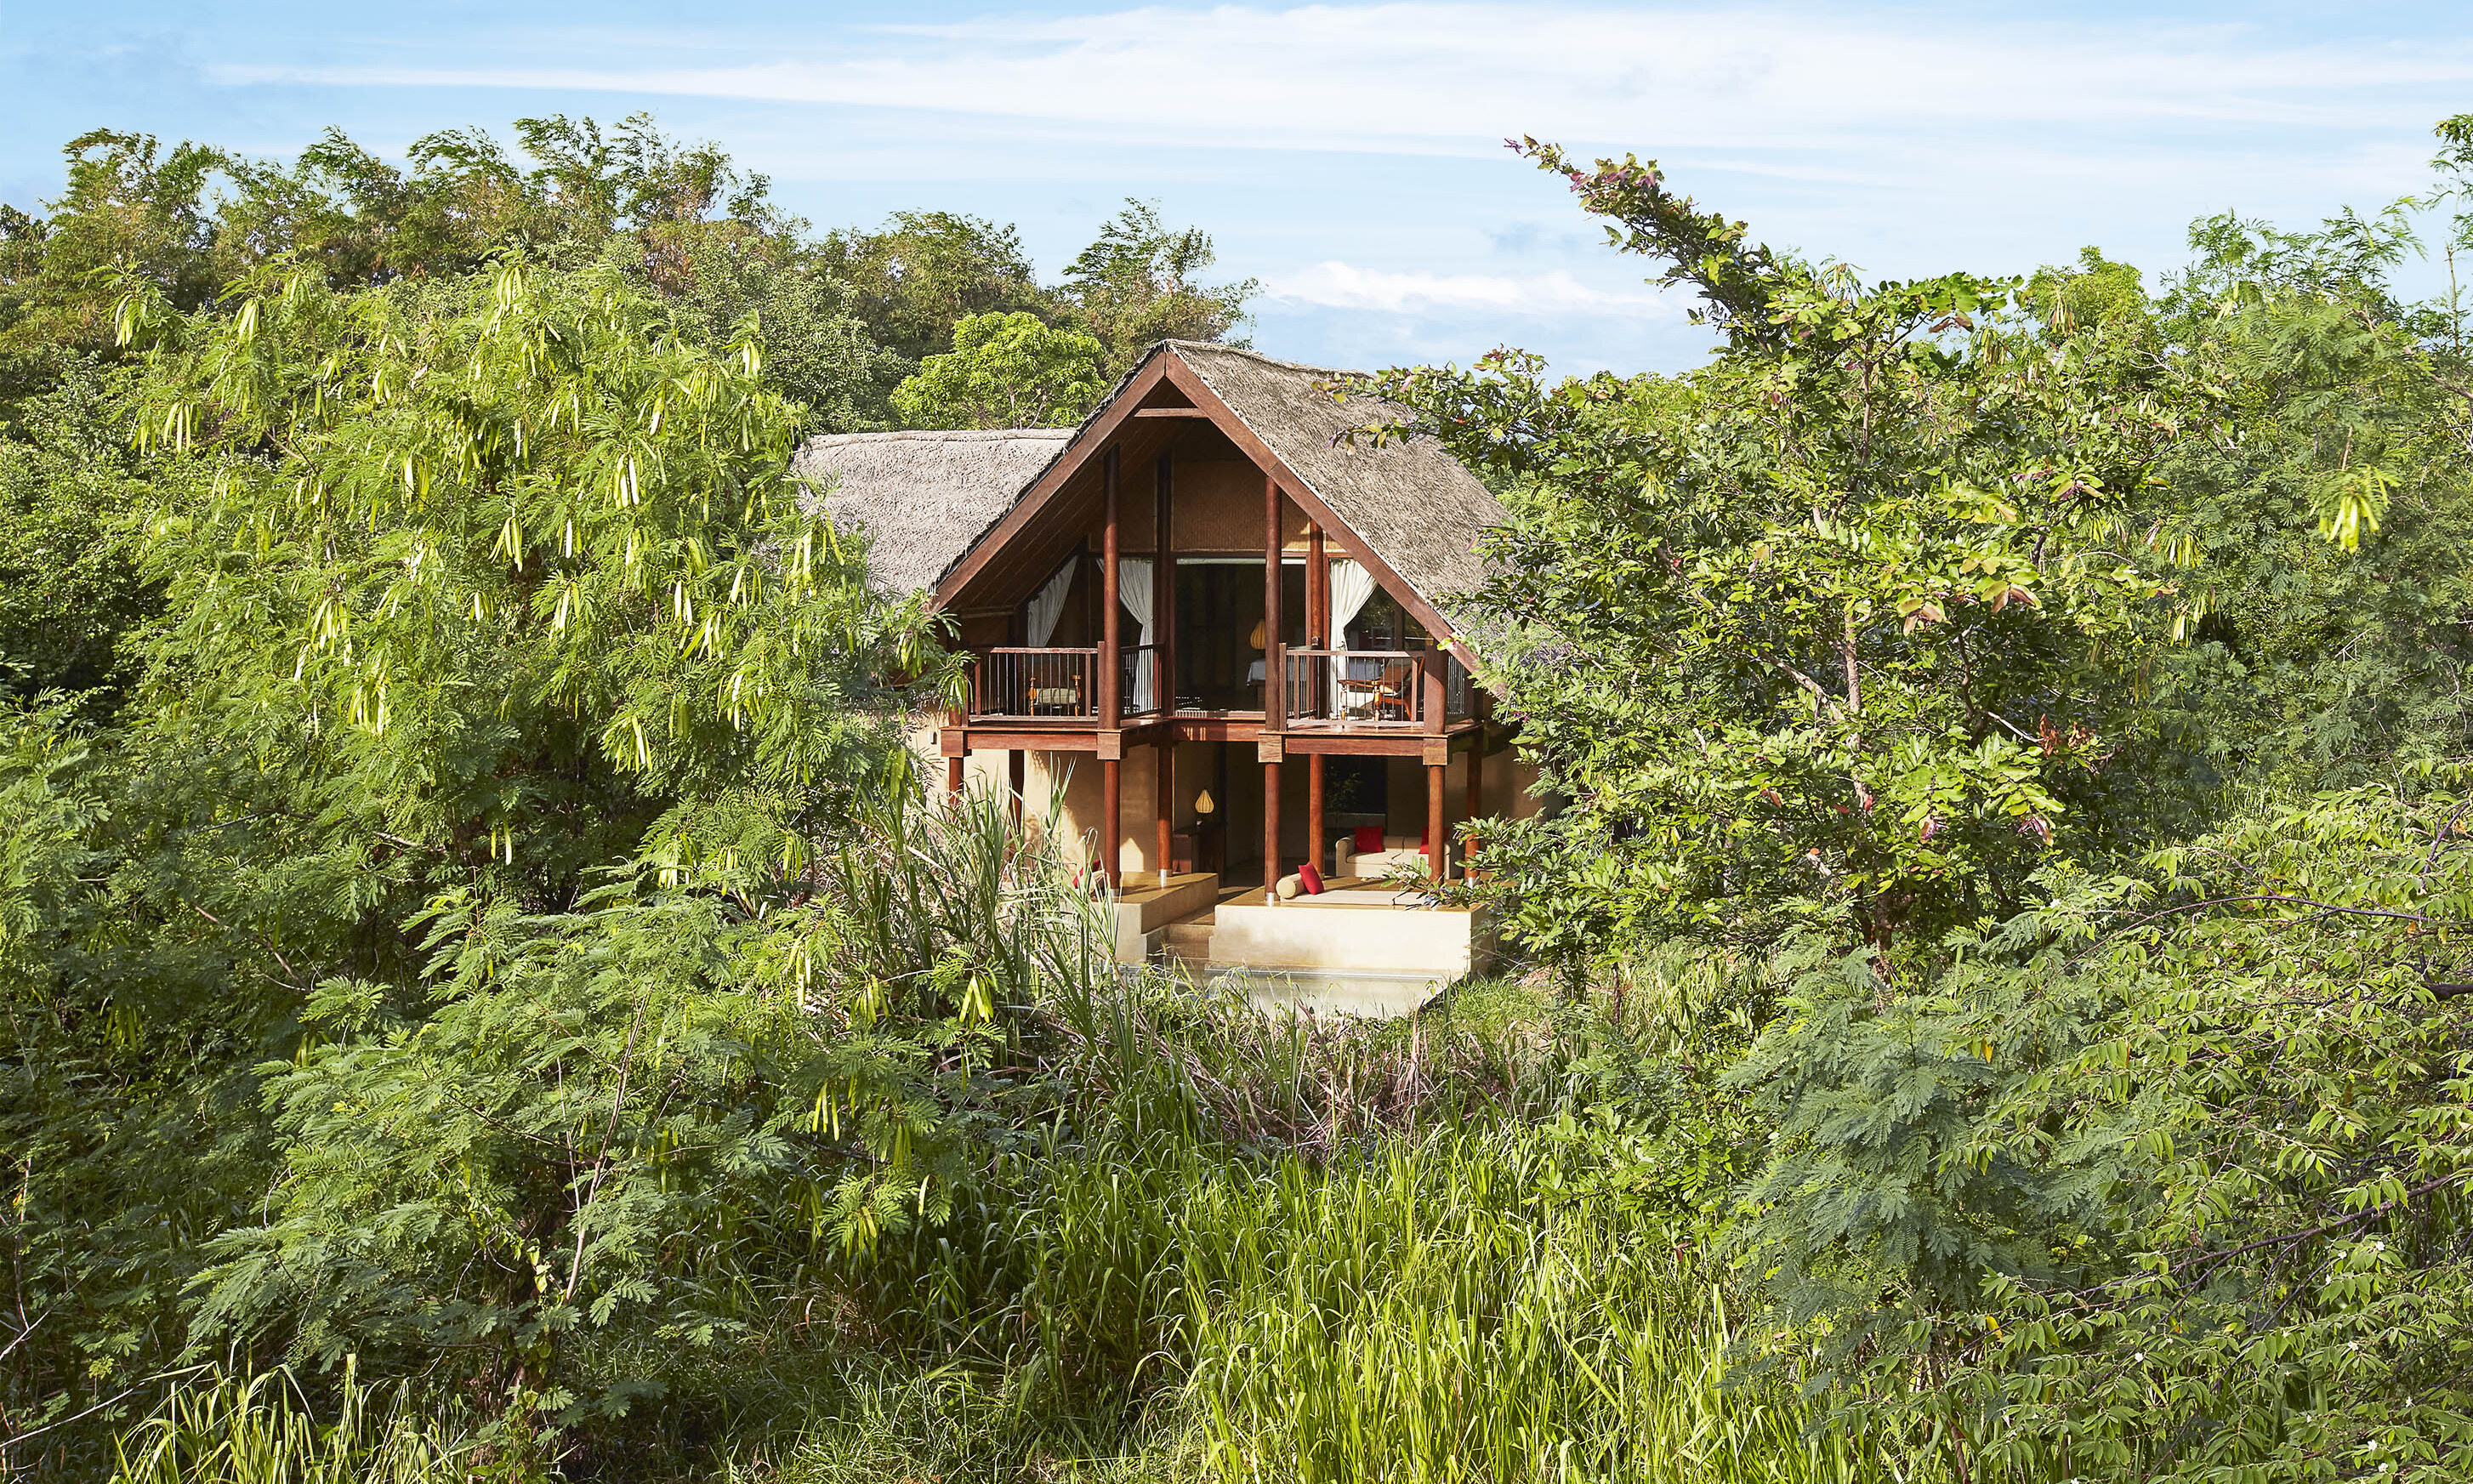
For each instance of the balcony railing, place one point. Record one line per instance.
(1356, 687)
(1338, 688)
(1035, 684)
(1141, 680)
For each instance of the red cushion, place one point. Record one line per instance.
(1369, 839)
(1310, 879)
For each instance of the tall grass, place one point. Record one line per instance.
(1208, 1242)
(262, 1429)
(1469, 1304)
(1253, 1246)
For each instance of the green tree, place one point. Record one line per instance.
(1135, 285)
(70, 490)
(500, 624)
(1844, 617)
(2162, 1179)
(925, 272)
(2328, 647)
(1005, 371)
(130, 207)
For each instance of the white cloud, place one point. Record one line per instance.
(1337, 285)
(1905, 139)
(1423, 76)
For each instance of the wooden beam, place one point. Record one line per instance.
(1271, 828)
(1365, 744)
(988, 740)
(1112, 821)
(1435, 836)
(1317, 591)
(953, 766)
(1164, 794)
(1170, 412)
(1314, 841)
(1274, 702)
(1111, 657)
(1164, 588)
(1015, 779)
(1475, 758)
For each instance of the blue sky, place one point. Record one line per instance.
(1350, 155)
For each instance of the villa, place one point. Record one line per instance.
(1213, 627)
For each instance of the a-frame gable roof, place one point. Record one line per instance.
(1405, 506)
(1419, 509)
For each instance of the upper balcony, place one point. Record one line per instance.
(1349, 690)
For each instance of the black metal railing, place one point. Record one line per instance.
(1355, 687)
(1035, 684)
(1141, 682)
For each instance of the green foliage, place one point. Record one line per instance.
(468, 907)
(1839, 619)
(925, 271)
(70, 490)
(817, 351)
(128, 206)
(2165, 1177)
(1133, 286)
(2326, 511)
(467, 914)
(1600, 1357)
(1005, 372)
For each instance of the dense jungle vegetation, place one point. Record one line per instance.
(487, 996)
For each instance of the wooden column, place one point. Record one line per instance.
(1274, 712)
(1111, 819)
(1317, 593)
(1111, 704)
(1435, 854)
(1325, 675)
(1271, 827)
(1015, 770)
(1164, 791)
(1164, 593)
(1314, 841)
(1476, 795)
(1164, 658)
(954, 776)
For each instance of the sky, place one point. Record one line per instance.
(1350, 157)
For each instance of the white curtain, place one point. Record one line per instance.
(1134, 591)
(1351, 588)
(1048, 604)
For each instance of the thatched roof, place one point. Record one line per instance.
(1415, 505)
(923, 497)
(927, 499)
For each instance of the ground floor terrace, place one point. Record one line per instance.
(1203, 823)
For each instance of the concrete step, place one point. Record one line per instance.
(1190, 941)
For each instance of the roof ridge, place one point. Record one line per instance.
(1252, 355)
(944, 435)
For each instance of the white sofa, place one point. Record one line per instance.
(1398, 851)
